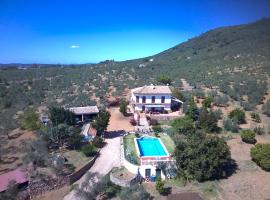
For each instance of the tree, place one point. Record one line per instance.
(177, 94)
(207, 102)
(123, 106)
(260, 153)
(231, 125)
(157, 128)
(59, 115)
(160, 185)
(30, 120)
(255, 117)
(192, 110)
(266, 108)
(11, 193)
(203, 157)
(183, 125)
(37, 153)
(238, 115)
(89, 150)
(164, 80)
(248, 136)
(207, 121)
(101, 122)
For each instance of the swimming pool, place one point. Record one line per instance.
(149, 146)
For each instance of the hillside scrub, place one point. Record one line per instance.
(238, 115)
(248, 136)
(31, 120)
(231, 125)
(260, 153)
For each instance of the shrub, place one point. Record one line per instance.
(207, 121)
(218, 114)
(123, 106)
(248, 136)
(207, 102)
(160, 185)
(259, 130)
(183, 125)
(164, 80)
(255, 117)
(230, 125)
(221, 100)
(89, 150)
(157, 128)
(133, 122)
(31, 120)
(153, 122)
(260, 153)
(98, 142)
(266, 108)
(137, 135)
(238, 115)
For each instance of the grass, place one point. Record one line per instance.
(129, 144)
(77, 158)
(168, 142)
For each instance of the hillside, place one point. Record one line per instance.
(235, 60)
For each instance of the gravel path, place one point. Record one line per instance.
(109, 158)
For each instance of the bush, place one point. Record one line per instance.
(123, 106)
(157, 128)
(238, 115)
(255, 117)
(218, 114)
(137, 135)
(89, 150)
(160, 185)
(153, 122)
(266, 108)
(230, 125)
(164, 80)
(207, 102)
(248, 136)
(260, 154)
(133, 122)
(98, 142)
(207, 121)
(259, 130)
(31, 120)
(183, 125)
(221, 100)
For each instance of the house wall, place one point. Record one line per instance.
(138, 106)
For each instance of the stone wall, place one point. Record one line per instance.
(120, 182)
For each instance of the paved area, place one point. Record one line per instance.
(109, 158)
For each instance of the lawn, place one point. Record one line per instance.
(130, 149)
(168, 142)
(77, 158)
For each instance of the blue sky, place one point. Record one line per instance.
(69, 31)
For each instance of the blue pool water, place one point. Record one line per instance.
(150, 147)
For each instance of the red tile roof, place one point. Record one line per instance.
(16, 175)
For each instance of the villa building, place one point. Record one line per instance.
(151, 99)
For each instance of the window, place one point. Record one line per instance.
(162, 99)
(143, 99)
(143, 108)
(137, 99)
(153, 99)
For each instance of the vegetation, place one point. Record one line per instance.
(207, 102)
(207, 121)
(266, 108)
(255, 117)
(260, 153)
(183, 125)
(248, 136)
(59, 115)
(164, 80)
(101, 122)
(135, 192)
(89, 150)
(123, 106)
(192, 110)
(157, 128)
(231, 125)
(192, 154)
(238, 115)
(31, 120)
(160, 185)
(259, 130)
(11, 193)
(130, 150)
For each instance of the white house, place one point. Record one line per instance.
(151, 98)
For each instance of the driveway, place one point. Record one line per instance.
(109, 158)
